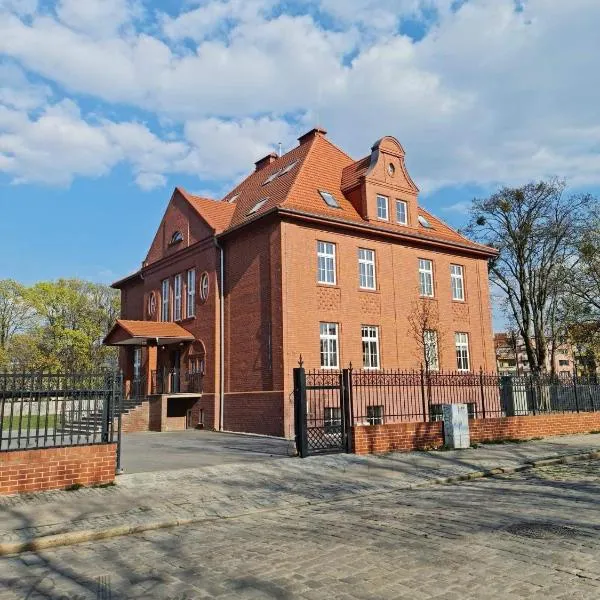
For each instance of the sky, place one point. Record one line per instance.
(106, 105)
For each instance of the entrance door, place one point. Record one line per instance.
(175, 371)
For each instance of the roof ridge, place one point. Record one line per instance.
(299, 170)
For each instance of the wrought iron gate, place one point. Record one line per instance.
(322, 403)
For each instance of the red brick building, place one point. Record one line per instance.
(314, 253)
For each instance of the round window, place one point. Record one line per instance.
(152, 304)
(204, 287)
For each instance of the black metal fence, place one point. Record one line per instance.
(171, 381)
(389, 396)
(39, 410)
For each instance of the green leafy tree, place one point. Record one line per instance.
(16, 311)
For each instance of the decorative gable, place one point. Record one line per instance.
(180, 227)
(383, 174)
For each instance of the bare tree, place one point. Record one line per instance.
(424, 327)
(531, 228)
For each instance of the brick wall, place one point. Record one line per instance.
(137, 419)
(397, 437)
(56, 468)
(416, 436)
(255, 413)
(523, 428)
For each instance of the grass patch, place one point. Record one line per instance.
(33, 422)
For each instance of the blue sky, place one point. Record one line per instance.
(106, 105)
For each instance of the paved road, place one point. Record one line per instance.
(531, 535)
(145, 452)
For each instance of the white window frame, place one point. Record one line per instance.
(190, 303)
(177, 297)
(426, 289)
(457, 282)
(461, 343)
(326, 267)
(370, 347)
(329, 345)
(385, 207)
(405, 205)
(165, 300)
(332, 419)
(367, 279)
(372, 417)
(430, 339)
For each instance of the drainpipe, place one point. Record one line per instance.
(221, 334)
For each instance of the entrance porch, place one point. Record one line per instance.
(163, 374)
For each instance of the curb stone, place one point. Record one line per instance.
(77, 537)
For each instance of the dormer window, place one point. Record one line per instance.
(329, 199)
(401, 212)
(257, 206)
(382, 208)
(176, 238)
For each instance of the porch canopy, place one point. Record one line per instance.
(146, 333)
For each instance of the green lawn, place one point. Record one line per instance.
(34, 421)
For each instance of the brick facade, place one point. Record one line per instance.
(272, 302)
(56, 468)
(419, 436)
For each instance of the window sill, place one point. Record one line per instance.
(328, 285)
(455, 301)
(369, 291)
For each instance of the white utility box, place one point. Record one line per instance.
(456, 426)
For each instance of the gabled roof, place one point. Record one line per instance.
(216, 214)
(292, 184)
(125, 332)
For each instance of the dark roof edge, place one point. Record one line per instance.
(475, 248)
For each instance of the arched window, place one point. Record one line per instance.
(176, 238)
(204, 287)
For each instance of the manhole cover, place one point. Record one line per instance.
(541, 530)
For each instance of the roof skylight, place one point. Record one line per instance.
(279, 173)
(424, 222)
(233, 198)
(257, 206)
(329, 199)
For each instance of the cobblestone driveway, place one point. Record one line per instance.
(530, 535)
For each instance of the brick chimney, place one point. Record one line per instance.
(309, 135)
(266, 161)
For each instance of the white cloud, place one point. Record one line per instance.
(226, 148)
(17, 92)
(97, 17)
(150, 181)
(489, 94)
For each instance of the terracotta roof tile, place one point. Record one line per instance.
(217, 214)
(153, 329)
(352, 173)
(317, 165)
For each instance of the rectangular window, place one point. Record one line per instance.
(370, 346)
(329, 345)
(190, 305)
(366, 269)
(137, 362)
(461, 341)
(326, 262)
(375, 415)
(382, 208)
(177, 283)
(401, 212)
(430, 348)
(563, 363)
(332, 419)
(425, 278)
(457, 283)
(165, 308)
